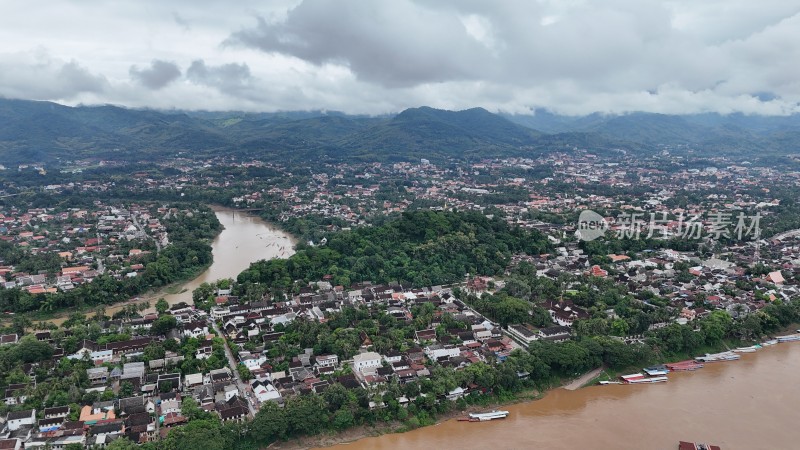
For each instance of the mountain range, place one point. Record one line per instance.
(54, 134)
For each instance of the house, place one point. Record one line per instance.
(10, 444)
(565, 312)
(254, 363)
(97, 375)
(173, 381)
(556, 333)
(196, 329)
(193, 379)
(392, 356)
(425, 335)
(56, 412)
(170, 406)
(522, 334)
(204, 350)
(366, 362)
(96, 412)
(434, 352)
(15, 394)
(776, 277)
(9, 339)
(456, 393)
(18, 419)
(234, 414)
(52, 424)
(265, 392)
(173, 419)
(327, 360)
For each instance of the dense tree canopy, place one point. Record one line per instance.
(420, 247)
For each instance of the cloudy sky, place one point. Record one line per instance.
(367, 56)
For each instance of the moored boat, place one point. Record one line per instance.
(639, 378)
(717, 357)
(682, 445)
(483, 417)
(769, 342)
(685, 365)
(789, 338)
(749, 349)
(656, 371)
(649, 380)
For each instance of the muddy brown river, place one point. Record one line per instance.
(244, 240)
(753, 403)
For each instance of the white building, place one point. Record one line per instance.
(327, 360)
(265, 392)
(435, 352)
(366, 362)
(17, 419)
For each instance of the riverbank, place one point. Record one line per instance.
(240, 241)
(715, 404)
(364, 431)
(586, 380)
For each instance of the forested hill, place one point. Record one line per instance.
(733, 134)
(423, 248)
(54, 135)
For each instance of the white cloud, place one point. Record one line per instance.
(571, 56)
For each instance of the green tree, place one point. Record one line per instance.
(306, 415)
(199, 435)
(619, 327)
(122, 443)
(244, 372)
(162, 306)
(343, 419)
(269, 424)
(163, 325)
(29, 350)
(125, 389)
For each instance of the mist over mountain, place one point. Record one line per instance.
(50, 133)
(712, 132)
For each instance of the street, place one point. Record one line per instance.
(244, 389)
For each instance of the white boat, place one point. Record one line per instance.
(716, 357)
(769, 342)
(750, 349)
(610, 382)
(633, 376)
(648, 380)
(639, 378)
(789, 338)
(655, 371)
(491, 415)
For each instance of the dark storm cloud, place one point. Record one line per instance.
(158, 75)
